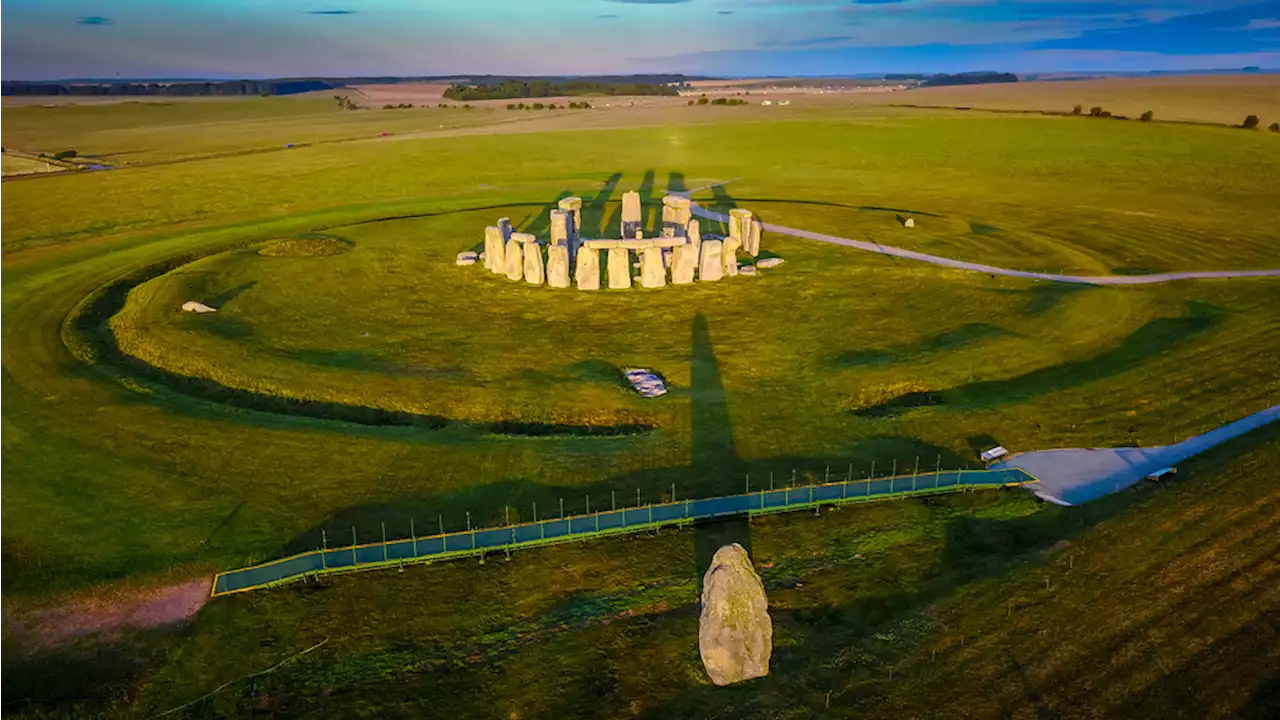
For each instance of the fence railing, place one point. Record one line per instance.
(506, 538)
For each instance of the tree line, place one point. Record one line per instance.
(543, 88)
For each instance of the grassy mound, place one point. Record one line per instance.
(306, 246)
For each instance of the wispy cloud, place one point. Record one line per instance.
(1263, 24)
(650, 2)
(331, 12)
(94, 20)
(807, 42)
(606, 17)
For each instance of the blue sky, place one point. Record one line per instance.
(47, 39)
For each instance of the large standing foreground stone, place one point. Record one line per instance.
(653, 273)
(683, 264)
(735, 633)
(558, 266)
(494, 250)
(514, 260)
(729, 256)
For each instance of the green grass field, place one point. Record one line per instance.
(144, 446)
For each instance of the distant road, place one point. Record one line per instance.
(990, 270)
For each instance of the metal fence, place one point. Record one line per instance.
(608, 522)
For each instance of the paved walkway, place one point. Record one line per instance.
(990, 270)
(1071, 477)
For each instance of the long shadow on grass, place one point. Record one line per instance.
(949, 340)
(540, 223)
(1044, 296)
(649, 215)
(595, 211)
(1153, 339)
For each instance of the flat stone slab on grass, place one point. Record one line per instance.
(646, 382)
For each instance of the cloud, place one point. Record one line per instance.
(650, 2)
(94, 20)
(331, 12)
(808, 42)
(726, 12)
(1263, 24)
(606, 17)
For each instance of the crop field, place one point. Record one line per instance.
(355, 382)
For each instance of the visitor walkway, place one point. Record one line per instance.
(479, 541)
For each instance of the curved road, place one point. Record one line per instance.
(978, 267)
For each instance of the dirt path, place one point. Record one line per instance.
(106, 614)
(990, 270)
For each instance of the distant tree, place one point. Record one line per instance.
(703, 100)
(1250, 123)
(720, 101)
(1095, 111)
(520, 106)
(511, 106)
(388, 106)
(1077, 110)
(1275, 127)
(1105, 114)
(538, 106)
(1146, 116)
(65, 155)
(467, 106)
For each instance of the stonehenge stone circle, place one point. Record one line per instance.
(558, 266)
(735, 632)
(652, 272)
(619, 268)
(587, 270)
(711, 268)
(677, 256)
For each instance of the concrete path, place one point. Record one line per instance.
(1070, 477)
(702, 212)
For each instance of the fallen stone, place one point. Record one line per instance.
(735, 633)
(465, 261)
(619, 268)
(909, 222)
(645, 382)
(558, 266)
(197, 307)
(747, 270)
(711, 267)
(769, 262)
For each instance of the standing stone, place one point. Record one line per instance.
(533, 271)
(494, 255)
(735, 633)
(712, 267)
(693, 230)
(683, 264)
(681, 209)
(756, 229)
(558, 266)
(560, 224)
(587, 270)
(652, 273)
(514, 260)
(632, 219)
(909, 222)
(572, 205)
(729, 256)
(738, 220)
(619, 268)
(504, 226)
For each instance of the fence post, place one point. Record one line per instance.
(413, 532)
(748, 483)
(638, 503)
(353, 545)
(673, 493)
(384, 541)
(468, 521)
(895, 467)
(561, 508)
(873, 470)
(440, 517)
(324, 549)
(850, 478)
(826, 475)
(588, 504)
(770, 479)
(914, 472)
(793, 479)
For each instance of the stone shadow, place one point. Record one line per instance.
(650, 215)
(540, 223)
(595, 212)
(1045, 296)
(949, 340)
(676, 182)
(230, 294)
(1155, 338)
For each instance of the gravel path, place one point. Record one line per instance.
(990, 270)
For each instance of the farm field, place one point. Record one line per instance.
(146, 448)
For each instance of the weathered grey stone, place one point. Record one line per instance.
(632, 215)
(493, 250)
(587, 269)
(729, 256)
(558, 266)
(735, 632)
(619, 268)
(561, 221)
(769, 262)
(681, 209)
(652, 273)
(694, 231)
(504, 227)
(683, 264)
(514, 259)
(196, 306)
(467, 257)
(533, 270)
(909, 222)
(711, 267)
(747, 270)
